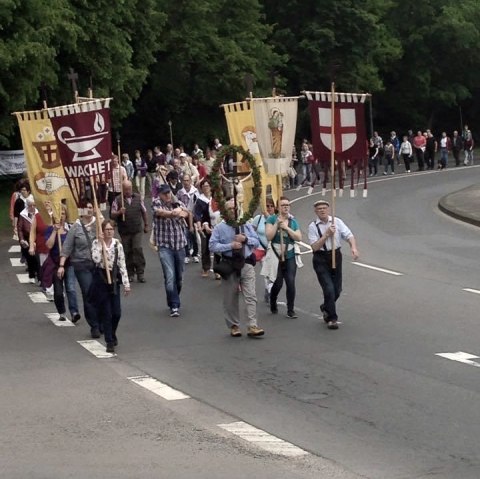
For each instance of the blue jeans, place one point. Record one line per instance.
(69, 280)
(173, 262)
(67, 283)
(286, 272)
(84, 278)
(330, 280)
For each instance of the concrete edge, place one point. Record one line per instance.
(454, 214)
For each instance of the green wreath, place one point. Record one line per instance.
(216, 183)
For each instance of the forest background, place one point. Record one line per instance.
(177, 60)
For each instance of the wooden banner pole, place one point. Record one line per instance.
(332, 169)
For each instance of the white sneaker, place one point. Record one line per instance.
(196, 259)
(310, 190)
(32, 281)
(298, 188)
(187, 260)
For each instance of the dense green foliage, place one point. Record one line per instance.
(165, 60)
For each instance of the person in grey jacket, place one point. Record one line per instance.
(77, 250)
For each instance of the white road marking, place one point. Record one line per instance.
(38, 297)
(53, 317)
(375, 268)
(263, 439)
(158, 388)
(15, 262)
(15, 249)
(470, 290)
(96, 348)
(461, 357)
(23, 278)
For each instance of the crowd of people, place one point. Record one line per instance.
(184, 226)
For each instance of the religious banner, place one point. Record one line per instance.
(276, 124)
(242, 132)
(349, 142)
(83, 139)
(45, 173)
(350, 131)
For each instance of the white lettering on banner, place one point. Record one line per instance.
(79, 171)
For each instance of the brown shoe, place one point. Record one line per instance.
(332, 325)
(235, 331)
(254, 331)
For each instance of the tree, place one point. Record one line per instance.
(113, 43)
(209, 47)
(27, 53)
(439, 67)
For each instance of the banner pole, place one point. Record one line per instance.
(332, 168)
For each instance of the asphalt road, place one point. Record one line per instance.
(371, 400)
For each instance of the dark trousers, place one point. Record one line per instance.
(108, 307)
(134, 258)
(456, 155)
(429, 158)
(330, 280)
(420, 157)
(286, 272)
(406, 160)
(206, 261)
(191, 244)
(373, 166)
(33, 263)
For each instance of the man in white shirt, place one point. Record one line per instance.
(325, 234)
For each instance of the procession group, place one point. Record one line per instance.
(185, 226)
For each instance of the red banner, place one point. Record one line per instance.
(350, 132)
(83, 137)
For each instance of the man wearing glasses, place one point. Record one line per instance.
(282, 230)
(325, 234)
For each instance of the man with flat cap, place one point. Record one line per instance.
(170, 238)
(325, 233)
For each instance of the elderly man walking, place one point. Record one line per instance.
(170, 238)
(132, 222)
(236, 246)
(325, 234)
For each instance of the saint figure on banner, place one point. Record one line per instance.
(275, 124)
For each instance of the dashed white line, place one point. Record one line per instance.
(263, 439)
(461, 357)
(96, 348)
(15, 262)
(470, 290)
(375, 268)
(15, 249)
(158, 388)
(53, 317)
(23, 278)
(38, 297)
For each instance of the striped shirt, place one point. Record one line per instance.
(169, 232)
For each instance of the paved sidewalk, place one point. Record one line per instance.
(463, 205)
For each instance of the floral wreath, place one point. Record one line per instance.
(216, 183)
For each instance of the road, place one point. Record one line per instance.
(374, 399)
